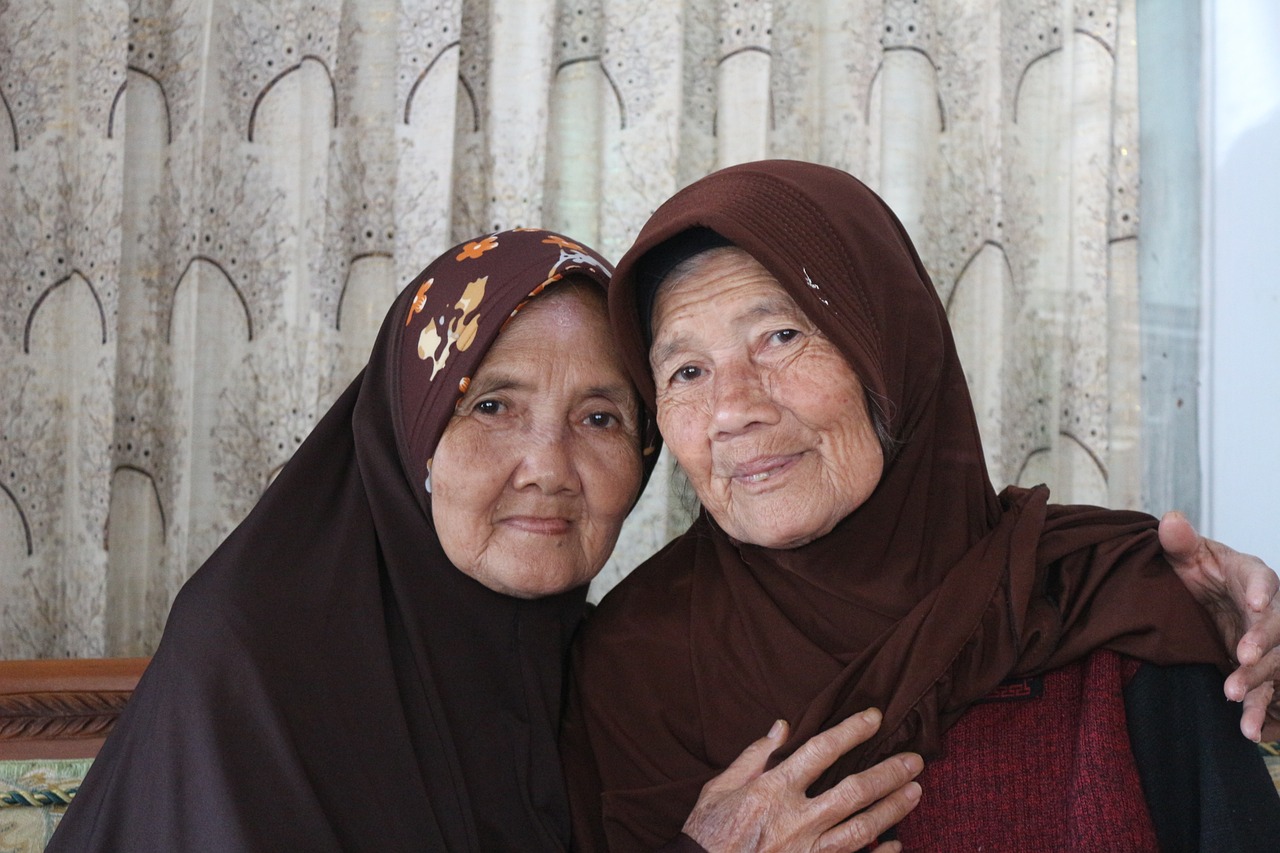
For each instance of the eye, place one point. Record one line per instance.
(601, 420)
(688, 373)
(783, 336)
(488, 407)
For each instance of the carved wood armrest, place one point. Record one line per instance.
(62, 708)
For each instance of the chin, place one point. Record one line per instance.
(781, 537)
(539, 585)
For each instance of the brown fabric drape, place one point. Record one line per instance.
(919, 602)
(328, 680)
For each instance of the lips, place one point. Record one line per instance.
(762, 468)
(539, 525)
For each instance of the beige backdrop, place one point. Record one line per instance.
(208, 206)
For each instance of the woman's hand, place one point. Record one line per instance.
(749, 808)
(1239, 591)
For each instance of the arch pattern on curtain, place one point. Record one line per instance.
(241, 187)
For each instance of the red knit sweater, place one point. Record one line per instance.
(1045, 765)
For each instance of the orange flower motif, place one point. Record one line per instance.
(463, 384)
(562, 243)
(476, 248)
(419, 300)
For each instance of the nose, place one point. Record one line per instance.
(547, 462)
(741, 400)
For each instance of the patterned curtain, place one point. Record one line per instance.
(207, 206)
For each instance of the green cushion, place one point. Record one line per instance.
(33, 797)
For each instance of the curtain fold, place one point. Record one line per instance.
(208, 206)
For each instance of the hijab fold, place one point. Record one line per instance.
(328, 680)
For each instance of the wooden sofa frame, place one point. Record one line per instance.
(53, 709)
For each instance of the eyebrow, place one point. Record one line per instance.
(494, 382)
(664, 348)
(619, 393)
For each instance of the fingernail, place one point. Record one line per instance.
(776, 731)
(871, 715)
(912, 791)
(913, 762)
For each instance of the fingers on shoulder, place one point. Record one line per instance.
(1263, 583)
(1178, 537)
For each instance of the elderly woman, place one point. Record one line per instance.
(852, 553)
(373, 660)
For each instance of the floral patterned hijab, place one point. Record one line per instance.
(328, 680)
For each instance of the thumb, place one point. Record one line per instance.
(1179, 540)
(753, 760)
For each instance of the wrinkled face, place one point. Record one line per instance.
(539, 466)
(761, 410)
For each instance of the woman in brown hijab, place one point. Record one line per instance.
(852, 553)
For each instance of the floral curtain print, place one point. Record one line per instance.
(208, 205)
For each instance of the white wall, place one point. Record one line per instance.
(1240, 402)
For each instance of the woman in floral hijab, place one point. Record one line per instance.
(347, 671)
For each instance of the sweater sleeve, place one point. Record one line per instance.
(1206, 786)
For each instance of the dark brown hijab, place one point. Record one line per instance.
(919, 602)
(328, 680)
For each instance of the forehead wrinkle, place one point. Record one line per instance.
(777, 304)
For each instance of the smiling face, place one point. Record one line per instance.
(763, 413)
(541, 462)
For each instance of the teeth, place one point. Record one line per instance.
(756, 478)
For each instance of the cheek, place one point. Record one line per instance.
(854, 448)
(456, 521)
(615, 472)
(683, 427)
(824, 393)
(467, 479)
(835, 409)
